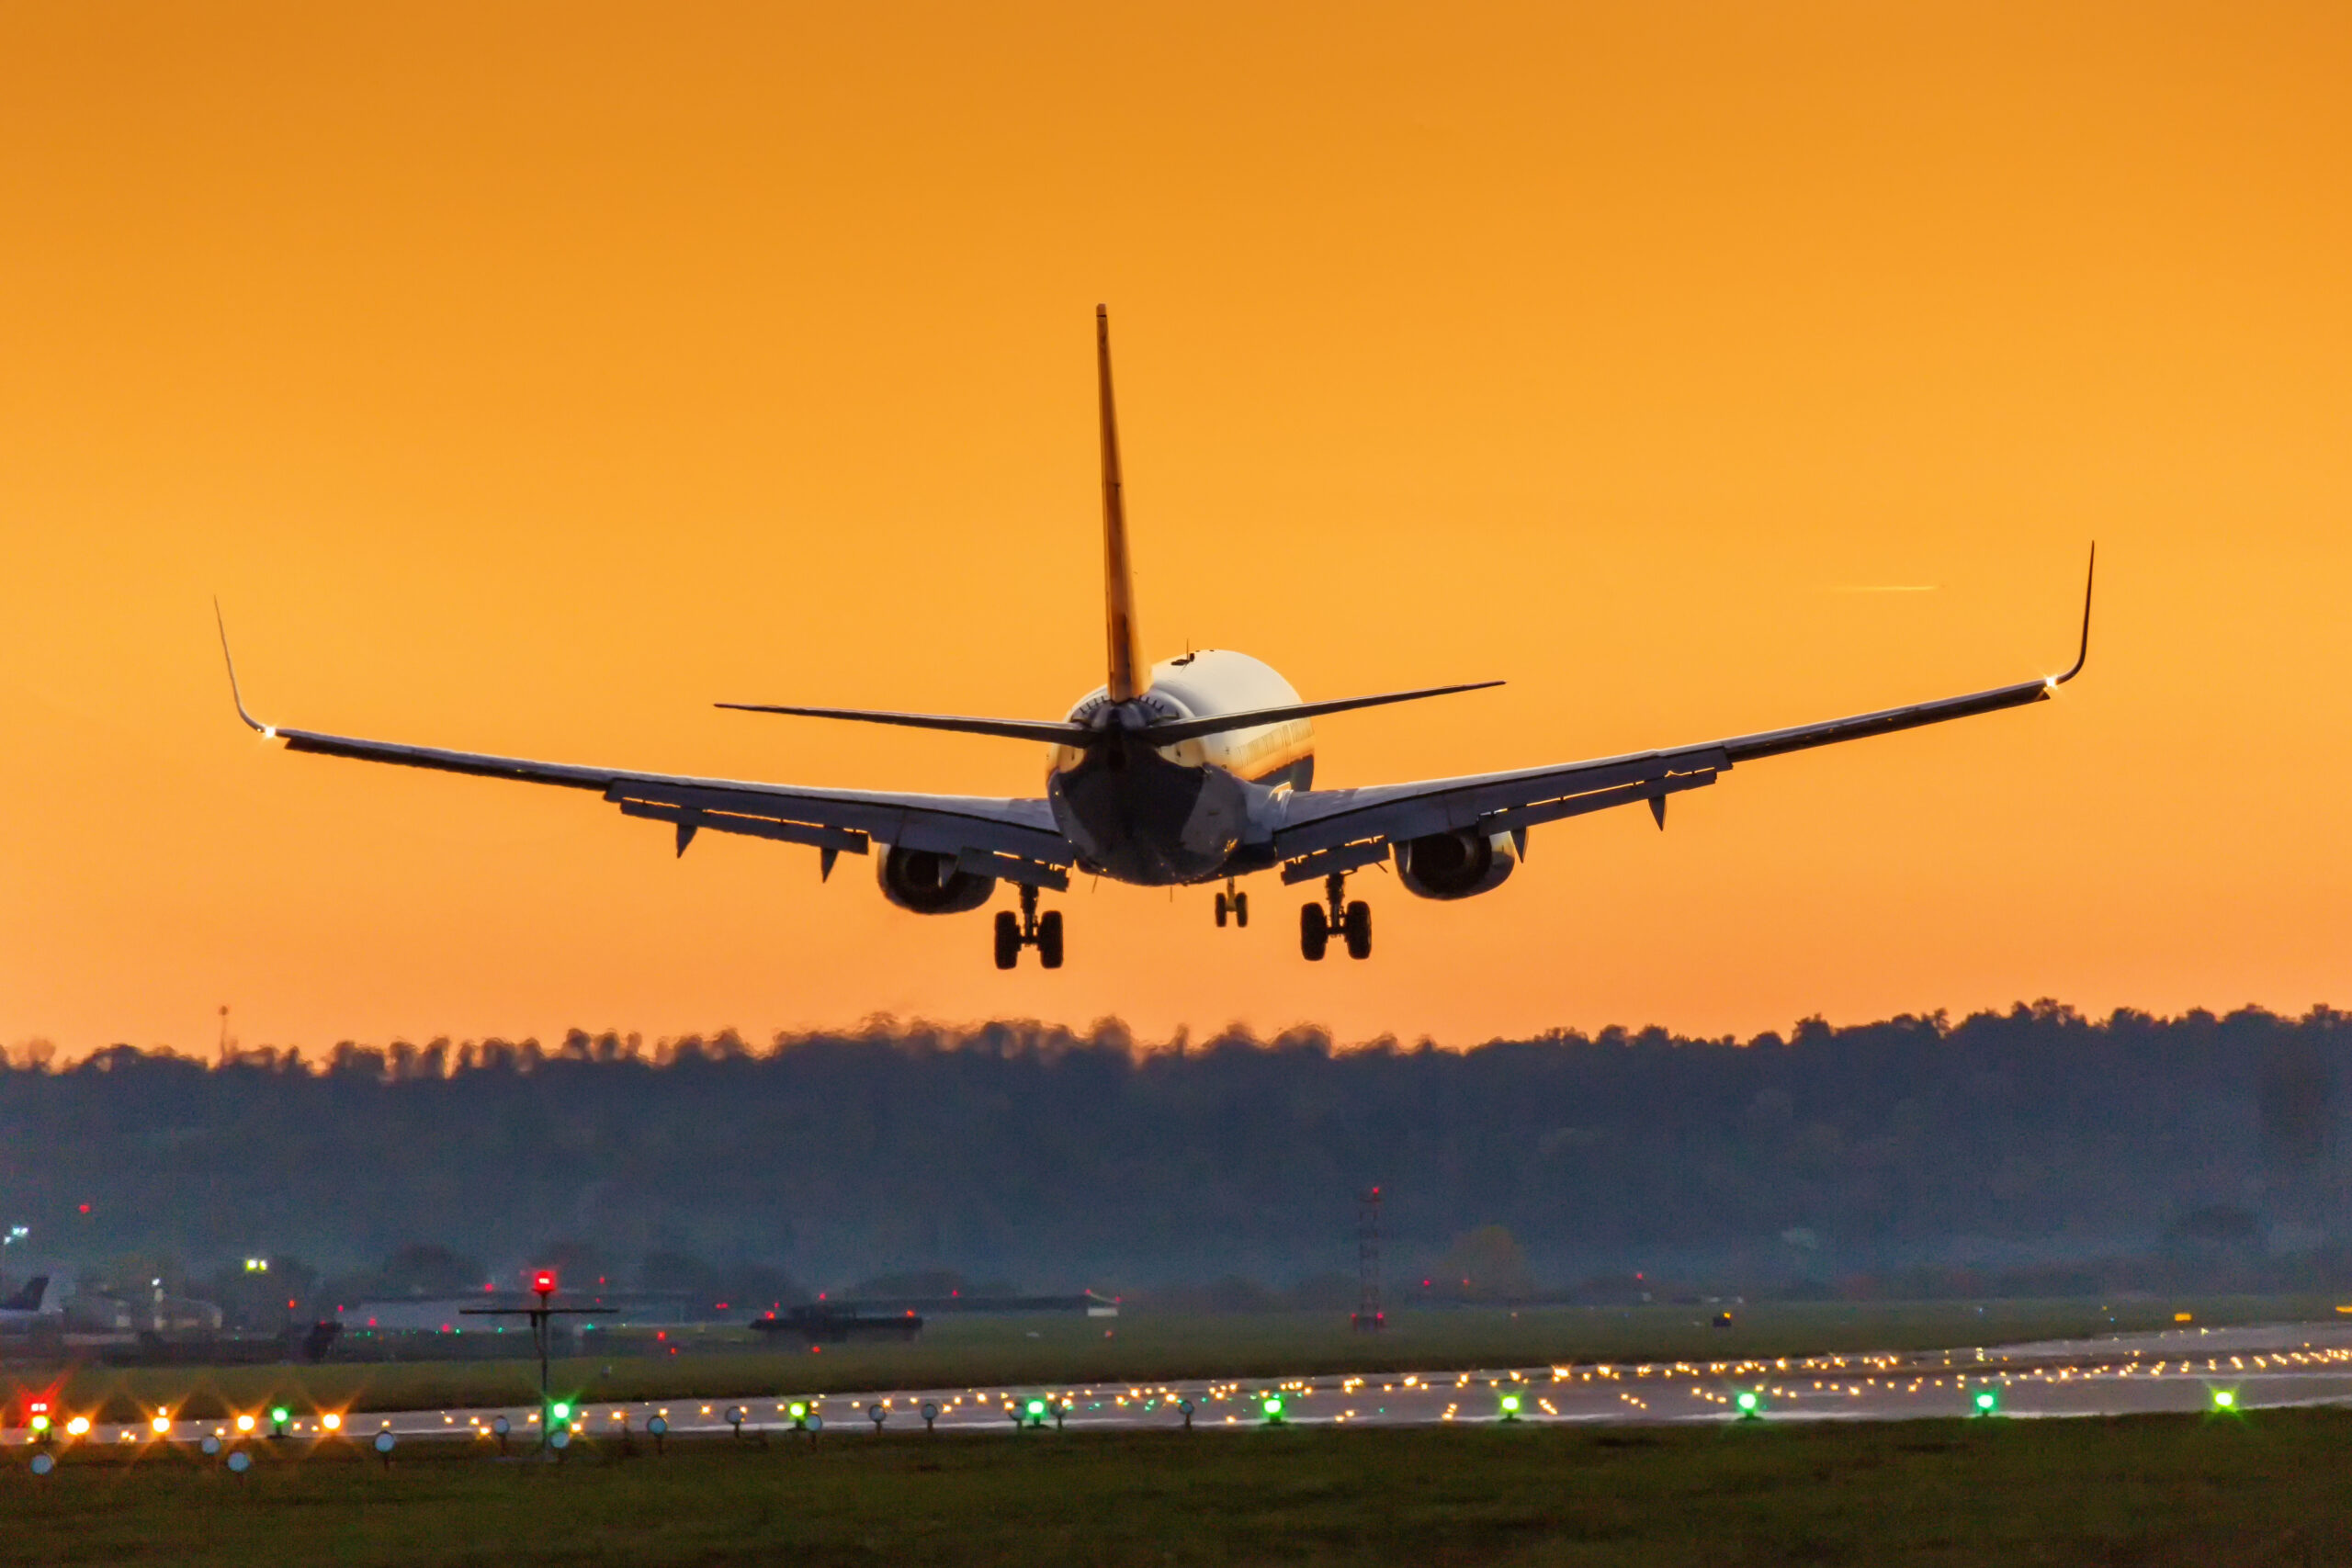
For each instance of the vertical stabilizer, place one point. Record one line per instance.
(1128, 672)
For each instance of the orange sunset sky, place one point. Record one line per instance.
(526, 379)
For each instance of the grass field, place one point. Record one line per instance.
(1014, 1352)
(2152, 1491)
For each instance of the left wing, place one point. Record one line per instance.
(1330, 831)
(1015, 840)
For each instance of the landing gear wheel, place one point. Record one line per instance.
(1007, 939)
(1220, 911)
(1314, 932)
(1049, 939)
(1359, 930)
(1242, 909)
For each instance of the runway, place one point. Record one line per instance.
(2227, 1373)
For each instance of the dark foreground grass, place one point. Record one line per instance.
(2151, 1491)
(1075, 1352)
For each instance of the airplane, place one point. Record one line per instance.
(1196, 769)
(22, 1311)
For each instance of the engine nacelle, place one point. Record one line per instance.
(930, 882)
(1455, 865)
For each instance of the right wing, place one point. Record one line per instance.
(1015, 840)
(1324, 831)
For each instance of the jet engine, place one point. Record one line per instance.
(1455, 865)
(930, 882)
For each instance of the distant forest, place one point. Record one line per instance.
(1918, 1153)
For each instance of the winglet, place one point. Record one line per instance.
(234, 694)
(1129, 673)
(2083, 656)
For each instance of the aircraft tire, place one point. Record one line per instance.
(1220, 911)
(1049, 939)
(1359, 930)
(1314, 932)
(1242, 909)
(1007, 939)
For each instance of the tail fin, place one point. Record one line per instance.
(1128, 672)
(27, 1299)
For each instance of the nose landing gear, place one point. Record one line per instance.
(1231, 902)
(1029, 929)
(1352, 922)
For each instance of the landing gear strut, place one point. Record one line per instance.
(1351, 923)
(1236, 904)
(1029, 929)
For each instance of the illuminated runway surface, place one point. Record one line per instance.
(2187, 1369)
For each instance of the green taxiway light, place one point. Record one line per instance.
(1748, 1401)
(1274, 1407)
(2225, 1399)
(40, 1423)
(800, 1411)
(280, 1414)
(561, 1410)
(1510, 1404)
(1986, 1401)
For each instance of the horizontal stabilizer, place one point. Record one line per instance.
(1061, 732)
(1053, 732)
(1175, 730)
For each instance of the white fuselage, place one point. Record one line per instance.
(1168, 814)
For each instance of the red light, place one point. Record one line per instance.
(718, 1306)
(86, 1208)
(661, 1334)
(544, 1281)
(39, 1406)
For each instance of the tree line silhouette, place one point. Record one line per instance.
(1918, 1149)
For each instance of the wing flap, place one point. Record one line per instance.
(1323, 819)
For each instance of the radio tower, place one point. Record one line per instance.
(1368, 1317)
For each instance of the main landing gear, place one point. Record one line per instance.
(1029, 929)
(1231, 902)
(1351, 923)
